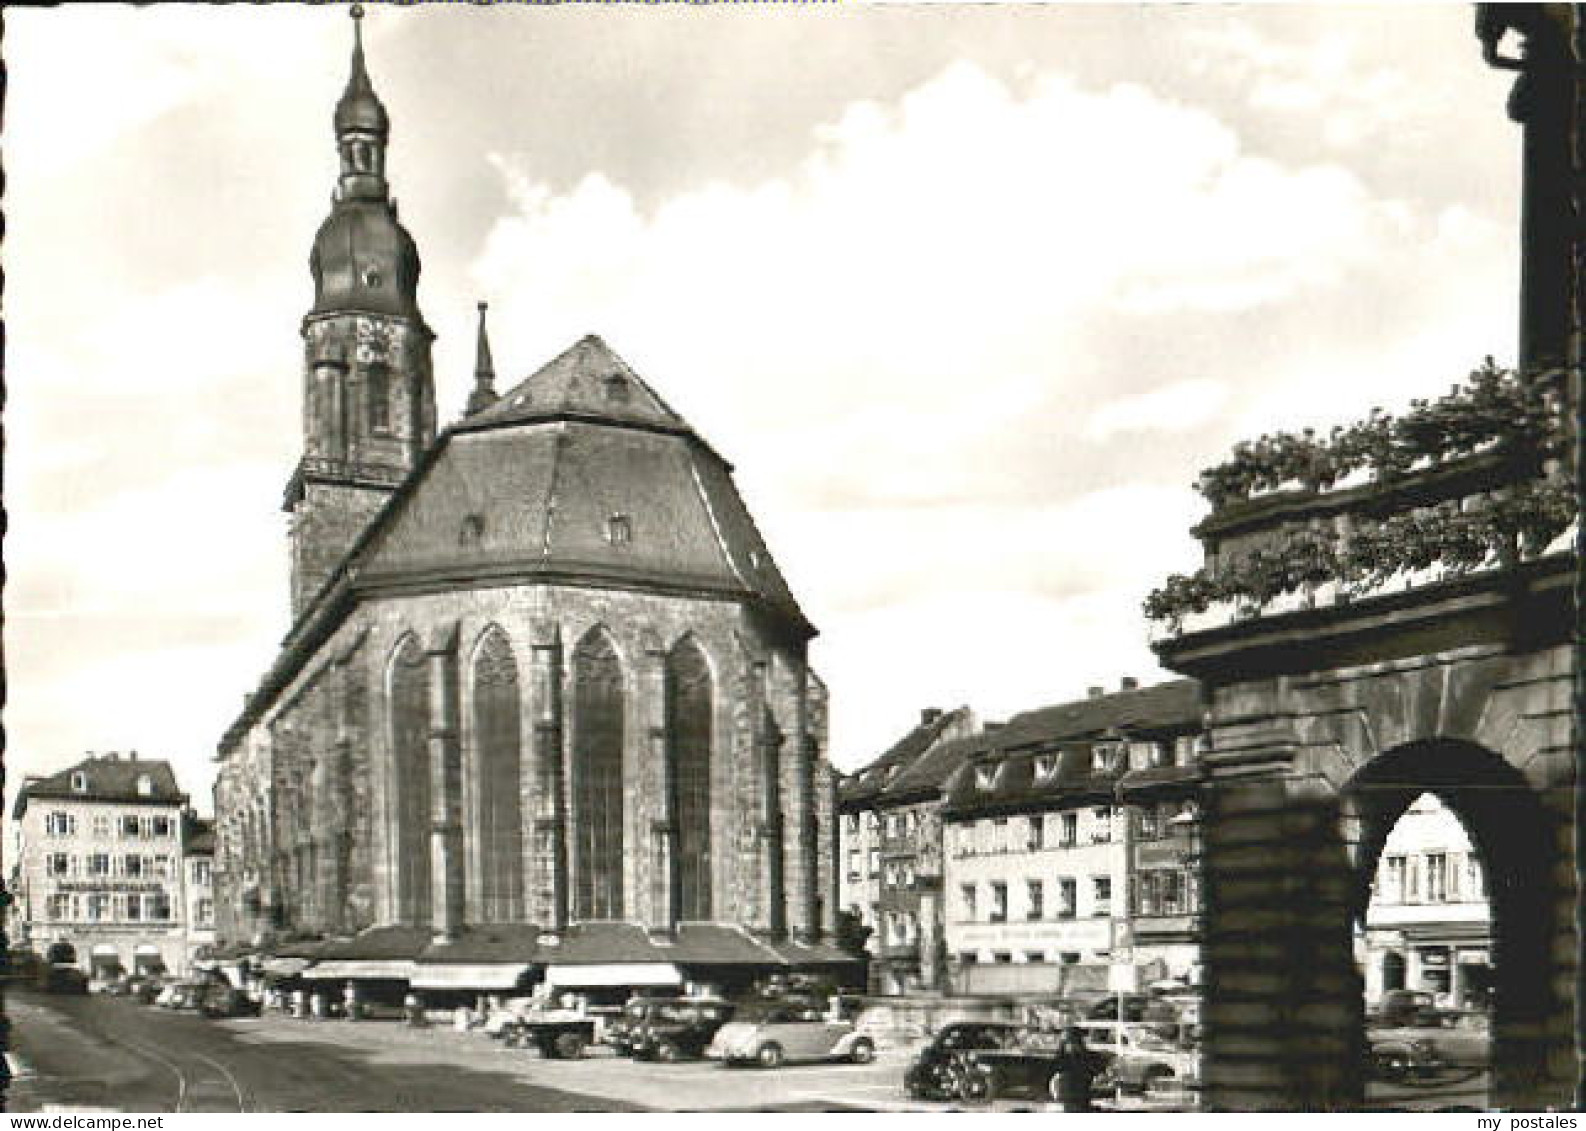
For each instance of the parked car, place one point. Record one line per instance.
(180, 995)
(781, 1032)
(1457, 1038)
(947, 1067)
(1138, 1057)
(220, 999)
(620, 1030)
(680, 1029)
(1395, 1056)
(1033, 1066)
(61, 979)
(558, 1034)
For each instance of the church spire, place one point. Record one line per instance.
(484, 393)
(362, 128)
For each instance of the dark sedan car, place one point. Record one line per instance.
(219, 999)
(947, 1068)
(678, 1029)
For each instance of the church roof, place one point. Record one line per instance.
(579, 473)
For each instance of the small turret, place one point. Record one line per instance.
(484, 392)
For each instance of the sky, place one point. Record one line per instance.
(967, 294)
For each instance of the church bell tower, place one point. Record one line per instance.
(368, 391)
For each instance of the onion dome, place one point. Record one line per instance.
(360, 109)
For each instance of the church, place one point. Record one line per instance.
(543, 679)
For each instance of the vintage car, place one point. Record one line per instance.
(1399, 1056)
(678, 1029)
(221, 999)
(1138, 1057)
(777, 1033)
(558, 1034)
(180, 995)
(1032, 1067)
(620, 1030)
(947, 1068)
(1457, 1039)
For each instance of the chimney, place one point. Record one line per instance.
(1095, 692)
(929, 715)
(133, 756)
(1128, 683)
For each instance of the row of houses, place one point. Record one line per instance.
(1057, 854)
(111, 860)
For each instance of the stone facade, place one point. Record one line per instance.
(543, 668)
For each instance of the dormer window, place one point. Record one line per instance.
(619, 530)
(1045, 767)
(145, 785)
(1104, 757)
(79, 782)
(984, 776)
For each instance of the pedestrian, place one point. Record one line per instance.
(1076, 1070)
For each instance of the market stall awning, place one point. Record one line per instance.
(614, 974)
(355, 969)
(464, 976)
(284, 967)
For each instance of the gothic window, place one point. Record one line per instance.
(410, 722)
(597, 742)
(378, 386)
(689, 733)
(497, 774)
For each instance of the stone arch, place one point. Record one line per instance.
(1509, 828)
(598, 741)
(408, 693)
(690, 732)
(497, 761)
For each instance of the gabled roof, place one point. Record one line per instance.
(586, 380)
(1170, 706)
(108, 778)
(896, 765)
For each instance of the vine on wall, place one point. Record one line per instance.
(1494, 407)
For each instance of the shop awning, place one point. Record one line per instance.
(615, 974)
(284, 967)
(354, 969)
(462, 976)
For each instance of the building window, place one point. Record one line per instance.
(1395, 875)
(60, 824)
(617, 389)
(129, 826)
(984, 776)
(99, 864)
(58, 864)
(1475, 885)
(161, 826)
(98, 907)
(1035, 956)
(79, 782)
(1068, 830)
(1045, 767)
(999, 903)
(133, 912)
(101, 824)
(1101, 825)
(1101, 896)
(1067, 898)
(619, 530)
(378, 382)
(1149, 823)
(205, 912)
(145, 785)
(498, 760)
(132, 867)
(1037, 900)
(1437, 877)
(1002, 957)
(875, 863)
(61, 907)
(854, 861)
(968, 957)
(157, 907)
(968, 893)
(1037, 837)
(160, 867)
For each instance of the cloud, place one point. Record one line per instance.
(1175, 408)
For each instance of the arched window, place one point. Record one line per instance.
(689, 734)
(410, 724)
(597, 741)
(378, 385)
(497, 738)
